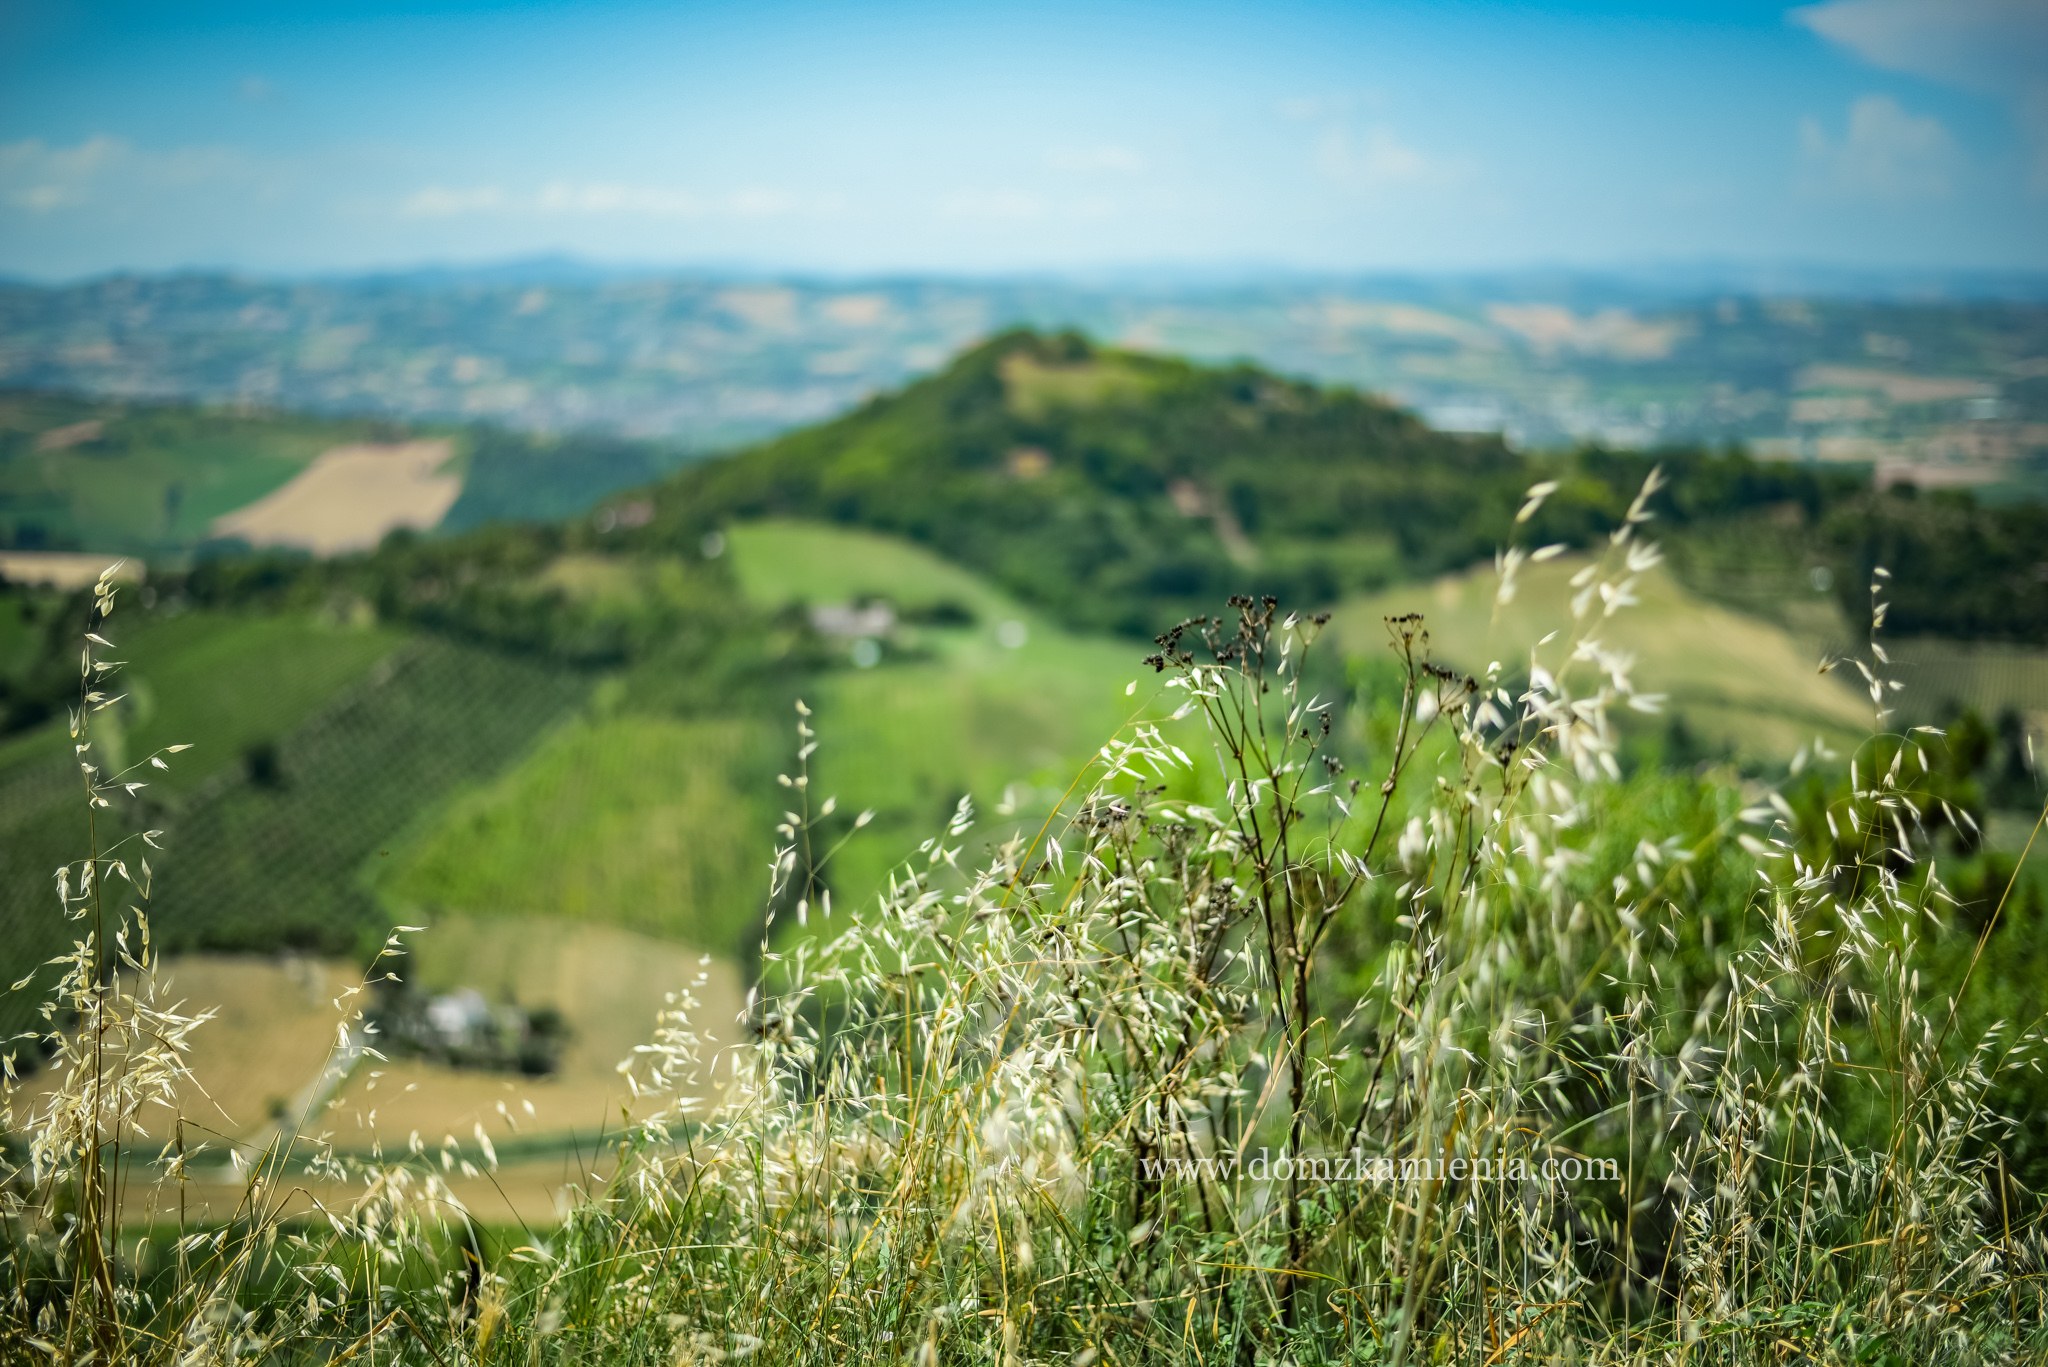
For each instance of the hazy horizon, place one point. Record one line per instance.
(1650, 280)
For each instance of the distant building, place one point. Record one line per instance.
(853, 619)
(461, 1018)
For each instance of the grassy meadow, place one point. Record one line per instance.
(1435, 974)
(640, 821)
(1005, 707)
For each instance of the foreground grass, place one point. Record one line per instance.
(1483, 1053)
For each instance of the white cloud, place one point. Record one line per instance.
(42, 178)
(442, 201)
(1993, 47)
(765, 201)
(601, 198)
(1377, 157)
(41, 199)
(997, 205)
(612, 199)
(1107, 158)
(1352, 149)
(1884, 152)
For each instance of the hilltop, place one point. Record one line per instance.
(1115, 486)
(1121, 490)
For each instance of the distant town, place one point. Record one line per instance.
(1939, 392)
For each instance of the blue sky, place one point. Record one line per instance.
(292, 137)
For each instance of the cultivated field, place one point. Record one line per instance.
(257, 1065)
(114, 479)
(351, 496)
(631, 820)
(1006, 709)
(1736, 680)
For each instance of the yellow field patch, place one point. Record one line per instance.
(66, 569)
(259, 1063)
(1401, 320)
(1611, 332)
(272, 1028)
(1735, 678)
(608, 983)
(349, 497)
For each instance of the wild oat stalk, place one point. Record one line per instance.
(99, 1154)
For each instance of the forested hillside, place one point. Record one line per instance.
(1125, 490)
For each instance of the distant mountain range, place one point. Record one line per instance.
(1648, 284)
(1941, 378)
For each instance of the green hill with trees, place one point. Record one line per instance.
(1122, 490)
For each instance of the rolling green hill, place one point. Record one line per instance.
(529, 735)
(660, 818)
(583, 719)
(1122, 491)
(530, 721)
(998, 703)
